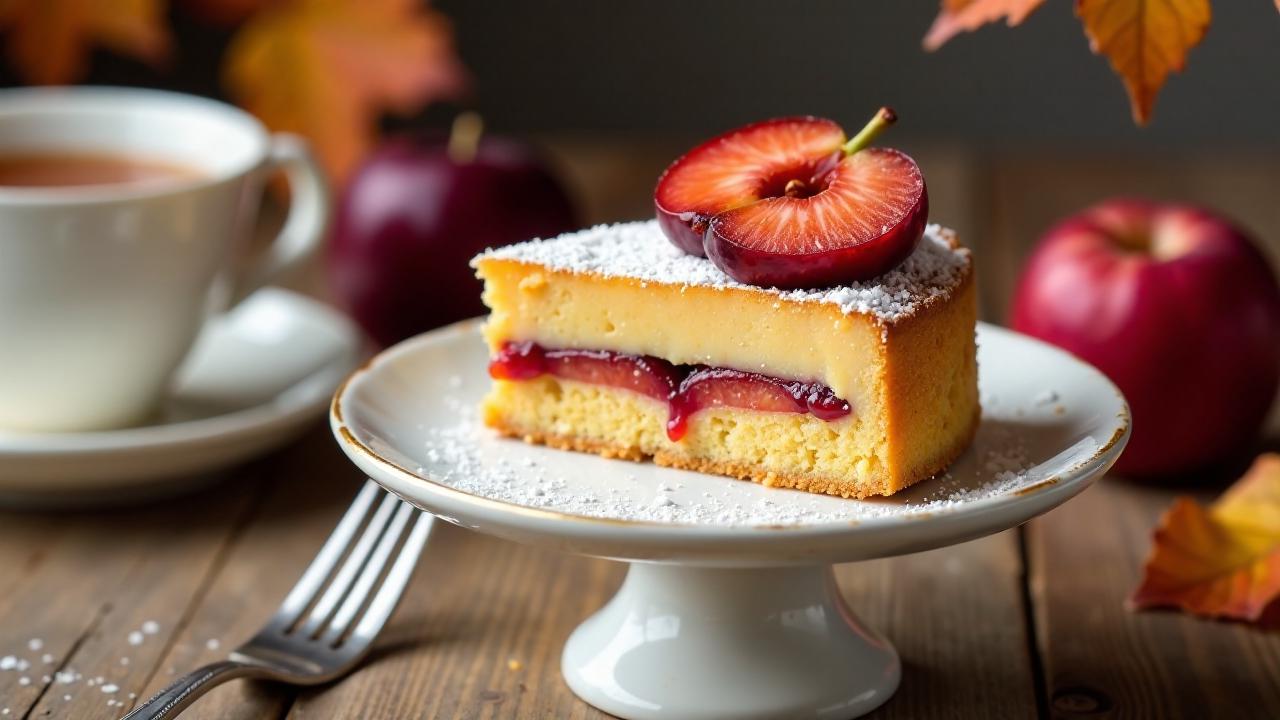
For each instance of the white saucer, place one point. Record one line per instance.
(256, 377)
(723, 569)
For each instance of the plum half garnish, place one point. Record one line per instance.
(791, 203)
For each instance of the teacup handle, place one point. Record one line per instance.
(308, 218)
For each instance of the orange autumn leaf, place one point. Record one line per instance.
(1145, 40)
(1223, 561)
(957, 16)
(327, 69)
(49, 41)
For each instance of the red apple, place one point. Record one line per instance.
(1179, 308)
(416, 212)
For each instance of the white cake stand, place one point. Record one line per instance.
(729, 609)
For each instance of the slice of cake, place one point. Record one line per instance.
(614, 341)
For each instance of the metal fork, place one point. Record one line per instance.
(331, 616)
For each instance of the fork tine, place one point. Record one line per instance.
(364, 584)
(296, 658)
(388, 596)
(350, 567)
(325, 561)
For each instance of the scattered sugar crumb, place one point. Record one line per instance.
(8, 662)
(1047, 397)
(24, 680)
(135, 638)
(151, 627)
(109, 688)
(212, 643)
(640, 250)
(47, 659)
(471, 458)
(124, 660)
(998, 464)
(35, 644)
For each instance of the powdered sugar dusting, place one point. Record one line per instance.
(639, 250)
(471, 458)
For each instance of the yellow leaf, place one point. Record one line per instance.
(49, 40)
(1253, 502)
(957, 16)
(1145, 41)
(327, 69)
(1224, 561)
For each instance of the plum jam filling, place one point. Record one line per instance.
(685, 388)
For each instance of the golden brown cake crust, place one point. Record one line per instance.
(808, 482)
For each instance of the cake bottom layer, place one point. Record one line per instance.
(846, 457)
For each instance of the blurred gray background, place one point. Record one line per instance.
(695, 66)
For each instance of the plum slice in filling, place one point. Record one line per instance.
(685, 388)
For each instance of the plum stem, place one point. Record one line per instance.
(884, 118)
(464, 137)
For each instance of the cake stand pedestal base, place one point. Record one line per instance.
(688, 642)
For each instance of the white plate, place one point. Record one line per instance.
(739, 617)
(255, 378)
(407, 419)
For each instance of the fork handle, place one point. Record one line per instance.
(190, 687)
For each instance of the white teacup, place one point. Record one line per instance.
(103, 288)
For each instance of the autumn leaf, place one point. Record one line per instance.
(1145, 41)
(48, 41)
(1223, 561)
(327, 69)
(957, 16)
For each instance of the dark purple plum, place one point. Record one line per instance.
(414, 215)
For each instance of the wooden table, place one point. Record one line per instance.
(1027, 623)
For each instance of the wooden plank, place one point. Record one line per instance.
(956, 616)
(486, 620)
(478, 636)
(1101, 660)
(610, 180)
(314, 484)
(92, 578)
